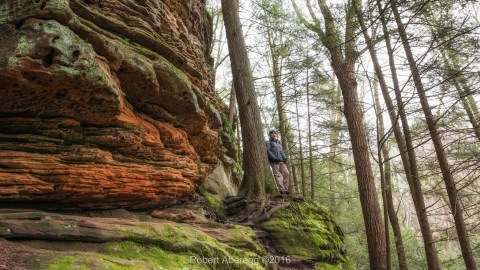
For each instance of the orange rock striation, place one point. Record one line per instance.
(105, 103)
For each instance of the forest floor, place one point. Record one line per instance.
(10, 258)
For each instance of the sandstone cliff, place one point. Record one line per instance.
(105, 103)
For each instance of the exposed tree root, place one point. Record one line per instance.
(268, 214)
(238, 209)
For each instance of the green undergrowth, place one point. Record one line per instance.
(307, 231)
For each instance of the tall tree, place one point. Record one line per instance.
(294, 185)
(335, 121)
(406, 149)
(232, 105)
(273, 27)
(343, 56)
(217, 43)
(465, 97)
(384, 165)
(392, 215)
(309, 136)
(441, 27)
(279, 46)
(452, 191)
(257, 180)
(300, 146)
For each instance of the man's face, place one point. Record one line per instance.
(273, 136)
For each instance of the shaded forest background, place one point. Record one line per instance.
(416, 68)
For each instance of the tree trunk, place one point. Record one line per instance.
(239, 140)
(302, 165)
(310, 150)
(335, 121)
(257, 181)
(397, 232)
(277, 85)
(384, 166)
(368, 196)
(455, 204)
(404, 142)
(231, 108)
(466, 89)
(294, 185)
(282, 117)
(387, 179)
(464, 97)
(343, 56)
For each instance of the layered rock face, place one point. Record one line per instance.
(105, 103)
(119, 239)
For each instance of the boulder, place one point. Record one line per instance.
(307, 232)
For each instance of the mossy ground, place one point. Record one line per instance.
(244, 238)
(306, 231)
(165, 245)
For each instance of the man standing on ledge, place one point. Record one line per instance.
(278, 160)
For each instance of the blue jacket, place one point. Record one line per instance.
(275, 152)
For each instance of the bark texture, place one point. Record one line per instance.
(257, 181)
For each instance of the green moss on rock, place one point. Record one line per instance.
(214, 200)
(165, 246)
(89, 260)
(244, 237)
(327, 266)
(155, 256)
(179, 238)
(62, 263)
(306, 231)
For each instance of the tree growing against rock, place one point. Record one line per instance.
(257, 181)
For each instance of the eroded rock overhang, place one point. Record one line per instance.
(105, 103)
